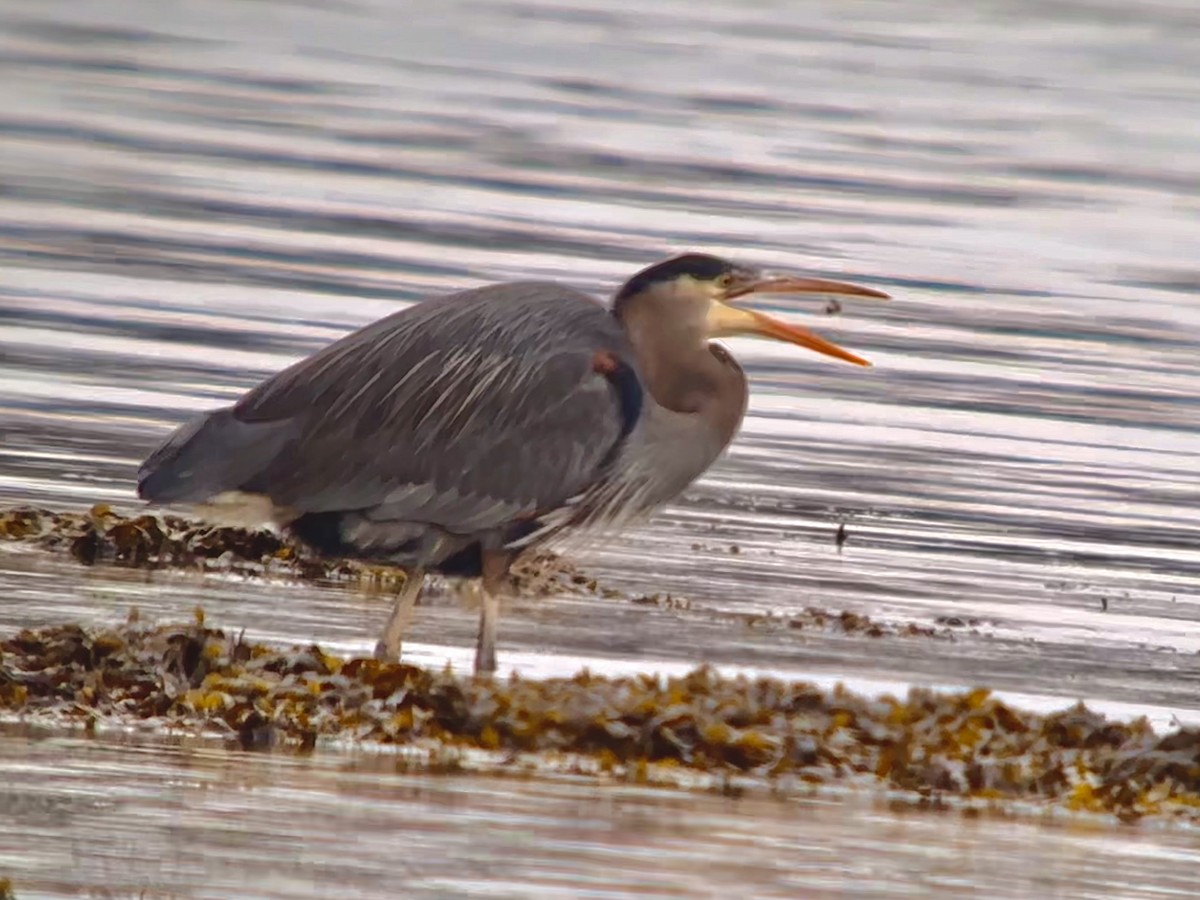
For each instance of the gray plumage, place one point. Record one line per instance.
(456, 418)
(456, 433)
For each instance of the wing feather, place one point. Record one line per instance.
(466, 411)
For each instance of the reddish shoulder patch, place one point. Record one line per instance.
(605, 362)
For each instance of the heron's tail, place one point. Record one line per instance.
(210, 455)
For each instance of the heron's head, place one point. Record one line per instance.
(696, 293)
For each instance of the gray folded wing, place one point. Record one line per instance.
(466, 412)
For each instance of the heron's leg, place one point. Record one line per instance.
(388, 647)
(495, 585)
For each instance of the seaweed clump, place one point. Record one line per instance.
(814, 618)
(149, 541)
(970, 745)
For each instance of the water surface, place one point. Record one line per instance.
(193, 199)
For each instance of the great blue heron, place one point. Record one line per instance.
(456, 433)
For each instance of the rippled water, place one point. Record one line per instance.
(193, 198)
(218, 825)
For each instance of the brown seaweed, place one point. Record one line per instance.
(931, 745)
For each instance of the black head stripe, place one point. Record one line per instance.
(698, 265)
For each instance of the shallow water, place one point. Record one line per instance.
(195, 822)
(191, 201)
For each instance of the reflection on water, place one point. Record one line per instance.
(197, 822)
(191, 200)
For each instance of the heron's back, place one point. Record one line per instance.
(458, 419)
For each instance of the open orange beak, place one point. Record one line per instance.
(730, 321)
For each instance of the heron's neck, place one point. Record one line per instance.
(685, 374)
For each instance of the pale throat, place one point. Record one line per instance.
(676, 363)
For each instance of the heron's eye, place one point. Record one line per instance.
(724, 282)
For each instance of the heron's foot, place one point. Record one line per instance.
(386, 653)
(485, 666)
(485, 662)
